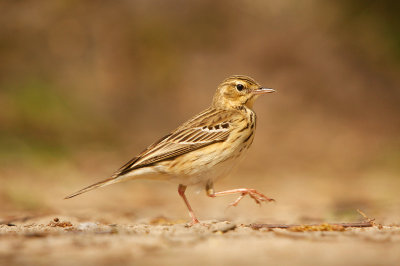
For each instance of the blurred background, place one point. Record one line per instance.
(86, 85)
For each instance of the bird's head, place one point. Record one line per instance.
(237, 91)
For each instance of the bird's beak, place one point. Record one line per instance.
(262, 91)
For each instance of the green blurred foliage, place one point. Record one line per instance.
(42, 122)
(384, 14)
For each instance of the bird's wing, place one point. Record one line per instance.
(210, 126)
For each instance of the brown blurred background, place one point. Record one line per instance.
(86, 85)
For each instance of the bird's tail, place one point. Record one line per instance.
(146, 172)
(103, 183)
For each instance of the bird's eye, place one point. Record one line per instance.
(239, 87)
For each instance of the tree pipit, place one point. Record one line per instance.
(202, 149)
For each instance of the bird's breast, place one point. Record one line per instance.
(215, 160)
(243, 136)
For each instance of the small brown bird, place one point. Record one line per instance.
(204, 148)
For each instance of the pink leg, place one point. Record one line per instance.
(254, 194)
(181, 191)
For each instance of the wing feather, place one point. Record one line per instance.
(202, 130)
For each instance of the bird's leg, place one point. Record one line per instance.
(181, 191)
(254, 194)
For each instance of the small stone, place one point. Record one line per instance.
(87, 226)
(222, 228)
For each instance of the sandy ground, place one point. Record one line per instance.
(51, 240)
(144, 223)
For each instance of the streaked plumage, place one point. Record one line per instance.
(202, 149)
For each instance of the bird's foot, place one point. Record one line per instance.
(193, 222)
(196, 222)
(254, 194)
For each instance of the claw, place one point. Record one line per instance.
(194, 222)
(254, 194)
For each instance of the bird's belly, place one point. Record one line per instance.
(211, 162)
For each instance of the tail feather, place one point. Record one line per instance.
(103, 183)
(148, 172)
